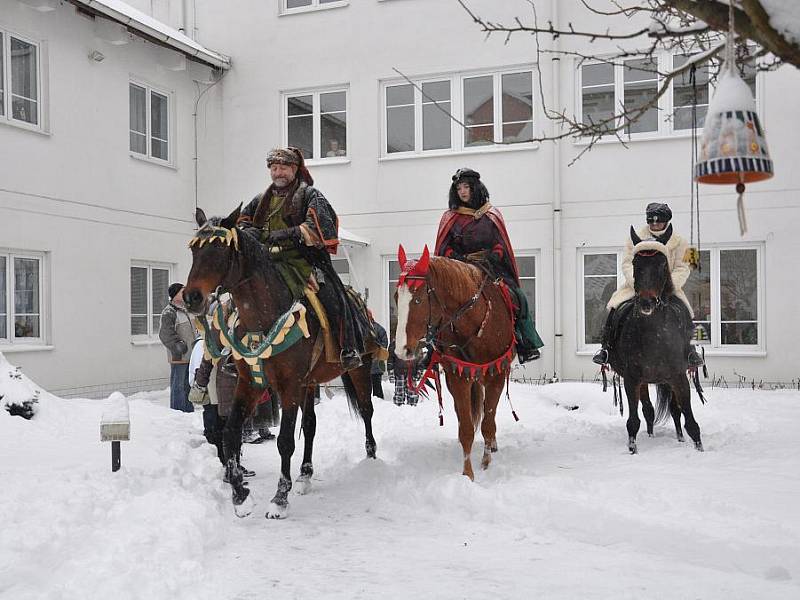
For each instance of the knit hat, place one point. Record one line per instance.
(174, 289)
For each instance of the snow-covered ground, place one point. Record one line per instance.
(563, 512)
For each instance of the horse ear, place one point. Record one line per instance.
(200, 216)
(229, 222)
(634, 238)
(424, 261)
(664, 238)
(401, 257)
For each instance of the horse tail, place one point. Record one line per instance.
(476, 396)
(352, 395)
(663, 400)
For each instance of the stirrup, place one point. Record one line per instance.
(350, 359)
(694, 358)
(600, 357)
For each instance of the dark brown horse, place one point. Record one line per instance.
(650, 346)
(230, 259)
(462, 313)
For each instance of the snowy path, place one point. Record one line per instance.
(563, 512)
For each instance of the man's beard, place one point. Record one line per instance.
(281, 182)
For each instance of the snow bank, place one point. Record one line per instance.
(563, 512)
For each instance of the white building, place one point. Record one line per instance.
(307, 72)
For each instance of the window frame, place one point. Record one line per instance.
(316, 121)
(170, 96)
(714, 346)
(315, 5)
(535, 255)
(152, 333)
(7, 116)
(582, 346)
(457, 132)
(665, 106)
(12, 340)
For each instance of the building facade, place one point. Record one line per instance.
(367, 88)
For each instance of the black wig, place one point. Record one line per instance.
(479, 194)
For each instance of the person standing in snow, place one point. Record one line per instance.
(378, 366)
(177, 333)
(658, 217)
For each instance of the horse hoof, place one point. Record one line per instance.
(699, 446)
(680, 437)
(650, 434)
(493, 446)
(303, 485)
(245, 508)
(487, 459)
(632, 448)
(277, 511)
(372, 450)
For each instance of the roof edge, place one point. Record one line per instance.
(166, 36)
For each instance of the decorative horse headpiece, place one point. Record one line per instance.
(413, 272)
(209, 233)
(649, 247)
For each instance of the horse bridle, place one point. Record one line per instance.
(432, 331)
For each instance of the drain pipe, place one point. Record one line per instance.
(558, 280)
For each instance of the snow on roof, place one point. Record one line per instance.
(155, 29)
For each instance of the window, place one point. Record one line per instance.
(149, 285)
(342, 268)
(495, 108)
(19, 80)
(724, 294)
(683, 93)
(640, 87)
(301, 5)
(632, 84)
(149, 122)
(21, 299)
(527, 280)
(316, 122)
(600, 275)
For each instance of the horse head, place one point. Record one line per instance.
(213, 249)
(652, 279)
(414, 310)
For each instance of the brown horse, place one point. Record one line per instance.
(229, 259)
(464, 315)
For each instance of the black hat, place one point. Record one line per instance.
(658, 213)
(465, 173)
(174, 289)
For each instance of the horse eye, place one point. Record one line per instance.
(417, 300)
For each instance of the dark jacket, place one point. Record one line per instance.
(379, 366)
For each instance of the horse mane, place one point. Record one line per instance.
(253, 251)
(459, 278)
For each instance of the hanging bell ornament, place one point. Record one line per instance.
(733, 149)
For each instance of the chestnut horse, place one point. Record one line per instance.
(464, 315)
(230, 259)
(650, 346)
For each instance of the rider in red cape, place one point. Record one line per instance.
(474, 231)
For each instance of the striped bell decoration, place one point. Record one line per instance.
(733, 148)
